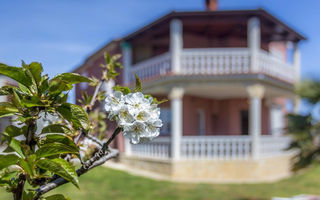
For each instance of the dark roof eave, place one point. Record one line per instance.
(173, 14)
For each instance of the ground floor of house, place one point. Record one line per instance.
(229, 132)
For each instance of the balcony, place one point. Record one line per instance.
(214, 61)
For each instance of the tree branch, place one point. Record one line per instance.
(111, 153)
(19, 190)
(95, 94)
(100, 157)
(101, 152)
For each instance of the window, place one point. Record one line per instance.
(165, 116)
(244, 117)
(201, 122)
(214, 123)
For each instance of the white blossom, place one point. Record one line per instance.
(138, 116)
(114, 103)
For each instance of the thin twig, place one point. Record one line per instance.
(94, 139)
(95, 94)
(88, 108)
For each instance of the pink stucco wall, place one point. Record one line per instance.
(222, 116)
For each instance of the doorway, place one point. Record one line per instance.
(244, 118)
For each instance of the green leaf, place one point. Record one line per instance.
(52, 149)
(24, 89)
(44, 84)
(62, 98)
(75, 115)
(16, 100)
(7, 177)
(7, 160)
(57, 86)
(71, 78)
(26, 166)
(124, 90)
(34, 101)
(7, 109)
(36, 69)
(60, 167)
(28, 195)
(58, 138)
(16, 146)
(138, 87)
(7, 90)
(56, 128)
(16, 73)
(56, 197)
(13, 131)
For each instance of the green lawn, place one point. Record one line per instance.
(103, 184)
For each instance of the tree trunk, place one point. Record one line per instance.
(19, 191)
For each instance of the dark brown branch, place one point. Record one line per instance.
(101, 152)
(30, 134)
(19, 190)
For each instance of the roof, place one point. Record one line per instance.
(105, 48)
(220, 13)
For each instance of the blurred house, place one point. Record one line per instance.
(227, 75)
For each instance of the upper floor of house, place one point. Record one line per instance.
(208, 43)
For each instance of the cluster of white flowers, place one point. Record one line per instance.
(136, 115)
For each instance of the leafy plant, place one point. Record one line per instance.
(305, 129)
(39, 159)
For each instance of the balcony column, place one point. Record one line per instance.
(254, 40)
(127, 60)
(296, 61)
(176, 45)
(127, 147)
(255, 93)
(175, 96)
(296, 65)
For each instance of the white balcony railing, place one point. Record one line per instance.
(212, 147)
(153, 67)
(214, 61)
(270, 145)
(216, 147)
(157, 148)
(275, 66)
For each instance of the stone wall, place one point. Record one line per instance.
(228, 171)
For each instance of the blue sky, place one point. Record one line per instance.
(62, 33)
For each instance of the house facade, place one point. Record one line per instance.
(227, 76)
